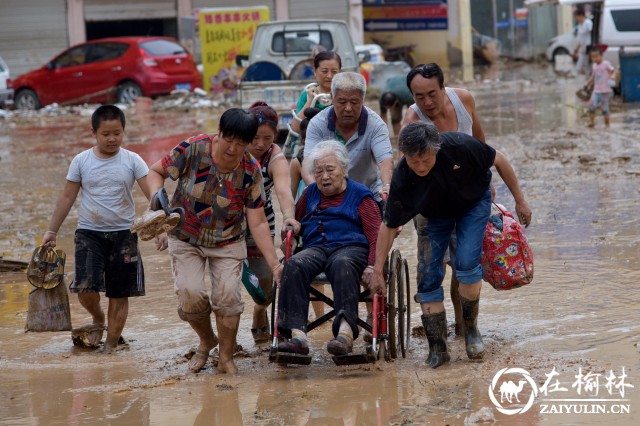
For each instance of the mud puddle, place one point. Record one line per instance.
(579, 316)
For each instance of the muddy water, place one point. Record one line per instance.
(579, 315)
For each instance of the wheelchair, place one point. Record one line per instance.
(391, 324)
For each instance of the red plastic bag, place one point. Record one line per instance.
(506, 257)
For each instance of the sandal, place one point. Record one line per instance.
(89, 336)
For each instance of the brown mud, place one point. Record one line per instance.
(579, 315)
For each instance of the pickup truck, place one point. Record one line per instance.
(280, 65)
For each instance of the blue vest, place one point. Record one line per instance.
(335, 226)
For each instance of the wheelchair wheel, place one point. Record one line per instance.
(395, 274)
(401, 308)
(404, 310)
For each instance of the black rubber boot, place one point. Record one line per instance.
(472, 337)
(435, 327)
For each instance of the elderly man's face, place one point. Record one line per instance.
(348, 107)
(421, 164)
(428, 95)
(329, 175)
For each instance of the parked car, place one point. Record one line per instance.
(563, 44)
(106, 70)
(6, 89)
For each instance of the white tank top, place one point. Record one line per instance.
(465, 123)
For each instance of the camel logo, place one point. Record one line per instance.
(510, 390)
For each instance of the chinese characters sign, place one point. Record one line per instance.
(224, 34)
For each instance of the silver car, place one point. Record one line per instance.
(6, 90)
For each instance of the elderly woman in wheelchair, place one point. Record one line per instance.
(339, 227)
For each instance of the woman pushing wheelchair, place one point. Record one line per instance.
(339, 227)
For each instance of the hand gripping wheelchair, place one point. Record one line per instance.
(390, 328)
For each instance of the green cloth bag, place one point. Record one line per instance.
(252, 284)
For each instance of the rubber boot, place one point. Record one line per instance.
(457, 309)
(435, 327)
(227, 331)
(472, 337)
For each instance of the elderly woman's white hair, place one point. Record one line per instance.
(327, 148)
(348, 82)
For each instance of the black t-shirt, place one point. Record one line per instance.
(458, 179)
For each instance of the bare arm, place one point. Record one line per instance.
(508, 175)
(156, 177)
(295, 175)
(259, 228)
(306, 176)
(280, 175)
(589, 81)
(386, 171)
(311, 92)
(143, 183)
(155, 181)
(410, 116)
(386, 236)
(63, 206)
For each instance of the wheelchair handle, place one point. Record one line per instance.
(321, 96)
(293, 132)
(310, 85)
(374, 331)
(287, 249)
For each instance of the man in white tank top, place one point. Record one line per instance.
(450, 110)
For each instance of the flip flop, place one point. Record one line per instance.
(169, 223)
(146, 225)
(80, 335)
(46, 268)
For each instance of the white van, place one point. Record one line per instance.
(616, 25)
(619, 28)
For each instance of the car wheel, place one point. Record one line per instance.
(128, 92)
(26, 99)
(560, 51)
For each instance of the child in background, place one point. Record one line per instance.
(603, 77)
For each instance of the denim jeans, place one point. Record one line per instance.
(469, 229)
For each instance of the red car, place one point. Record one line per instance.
(110, 69)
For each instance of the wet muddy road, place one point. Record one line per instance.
(575, 328)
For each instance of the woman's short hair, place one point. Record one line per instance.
(326, 55)
(238, 123)
(327, 148)
(418, 138)
(349, 82)
(265, 114)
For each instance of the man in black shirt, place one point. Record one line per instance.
(445, 177)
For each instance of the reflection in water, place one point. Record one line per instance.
(580, 310)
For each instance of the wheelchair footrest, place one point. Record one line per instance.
(354, 359)
(288, 358)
